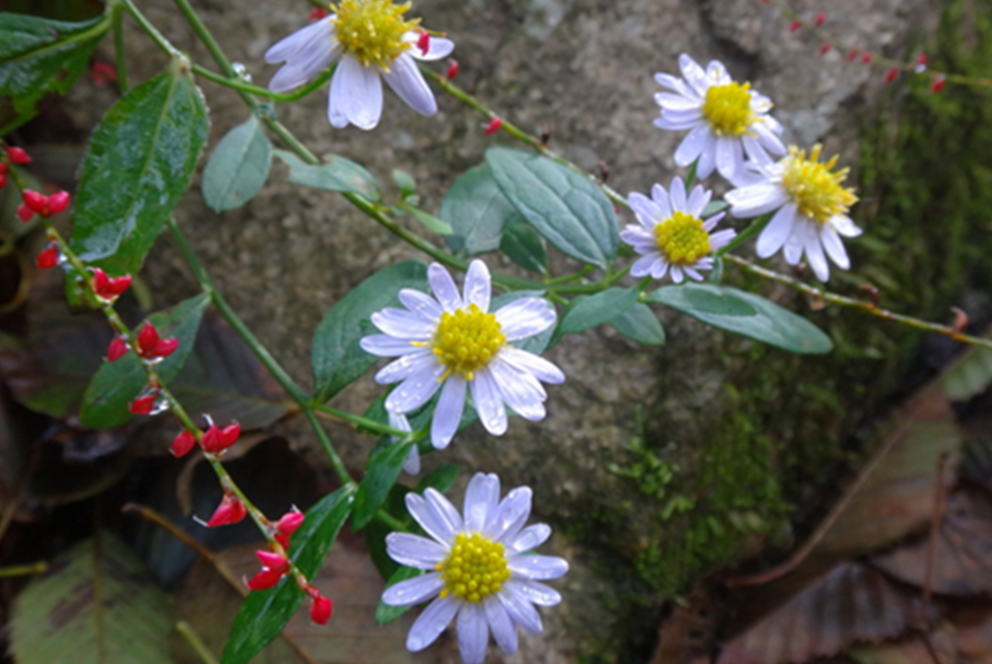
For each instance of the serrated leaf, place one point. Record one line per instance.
(338, 359)
(565, 207)
(640, 324)
(105, 403)
(597, 309)
(746, 314)
(524, 246)
(335, 174)
(384, 467)
(477, 212)
(387, 613)
(139, 162)
(238, 168)
(97, 605)
(38, 55)
(266, 612)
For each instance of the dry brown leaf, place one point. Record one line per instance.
(936, 647)
(688, 635)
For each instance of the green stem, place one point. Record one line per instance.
(120, 58)
(201, 30)
(359, 421)
(240, 85)
(756, 227)
(152, 31)
(25, 570)
(195, 642)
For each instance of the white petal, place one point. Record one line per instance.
(421, 303)
(504, 631)
(767, 138)
(510, 515)
(444, 287)
(834, 247)
(530, 537)
(698, 200)
(664, 202)
(473, 633)
(437, 47)
(693, 74)
(335, 101)
(415, 391)
(777, 231)
(431, 623)
(815, 255)
(636, 235)
(521, 611)
(692, 273)
(645, 209)
(419, 360)
(384, 345)
(794, 245)
(534, 591)
(300, 42)
(403, 324)
(729, 156)
(538, 567)
(481, 500)
(525, 317)
(540, 368)
(477, 289)
(677, 275)
(659, 267)
(414, 550)
(408, 83)
(642, 266)
(448, 413)
(411, 465)
(444, 510)
(695, 142)
(678, 120)
(674, 83)
(488, 403)
(675, 102)
(845, 226)
(517, 392)
(433, 523)
(413, 591)
(360, 92)
(677, 194)
(707, 159)
(718, 241)
(755, 200)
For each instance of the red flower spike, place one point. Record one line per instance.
(230, 511)
(265, 579)
(18, 156)
(321, 610)
(24, 213)
(795, 25)
(820, 19)
(217, 440)
(493, 126)
(424, 42)
(825, 48)
(118, 349)
(452, 68)
(318, 14)
(938, 84)
(144, 404)
(48, 258)
(43, 205)
(273, 561)
(867, 57)
(891, 75)
(229, 435)
(289, 522)
(183, 443)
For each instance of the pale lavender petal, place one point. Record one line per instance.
(645, 209)
(695, 142)
(834, 247)
(778, 230)
(516, 391)
(488, 403)
(680, 121)
(643, 266)
(544, 371)
(664, 202)
(698, 200)
(755, 200)
(444, 287)
(538, 568)
(767, 138)
(843, 225)
(814, 253)
(510, 516)
(481, 500)
(707, 159)
(413, 591)
(530, 537)
(677, 275)
(408, 83)
(473, 633)
(691, 272)
(361, 90)
(677, 194)
(415, 391)
(437, 47)
(659, 267)
(525, 317)
(794, 245)
(403, 324)
(301, 41)
(729, 156)
(674, 83)
(521, 611)
(411, 465)
(693, 74)
(433, 524)
(675, 102)
(336, 99)
(385, 345)
(444, 510)
(477, 287)
(421, 304)
(534, 591)
(414, 550)
(448, 413)
(431, 623)
(419, 360)
(721, 239)
(504, 631)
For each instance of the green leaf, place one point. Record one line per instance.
(336, 174)
(477, 212)
(969, 374)
(430, 221)
(745, 314)
(139, 162)
(38, 56)
(405, 182)
(98, 604)
(105, 403)
(338, 358)
(238, 168)
(640, 324)
(384, 467)
(264, 613)
(441, 478)
(385, 613)
(564, 206)
(597, 309)
(714, 207)
(525, 247)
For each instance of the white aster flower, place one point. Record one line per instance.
(368, 39)
(452, 343)
(726, 120)
(812, 206)
(477, 568)
(672, 233)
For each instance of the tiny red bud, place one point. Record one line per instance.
(938, 84)
(118, 349)
(795, 25)
(318, 14)
(452, 68)
(867, 57)
(283, 540)
(144, 404)
(18, 156)
(493, 125)
(37, 202)
(424, 42)
(921, 59)
(321, 609)
(820, 19)
(289, 522)
(24, 213)
(118, 285)
(265, 579)
(273, 561)
(891, 75)
(183, 443)
(825, 48)
(230, 510)
(147, 340)
(103, 73)
(960, 319)
(229, 435)
(48, 258)
(58, 202)
(853, 55)
(166, 347)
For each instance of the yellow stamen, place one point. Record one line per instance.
(372, 30)
(815, 188)
(682, 239)
(466, 340)
(728, 109)
(474, 569)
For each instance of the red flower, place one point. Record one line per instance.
(289, 522)
(48, 258)
(230, 510)
(494, 125)
(43, 205)
(103, 73)
(273, 561)
(265, 579)
(144, 404)
(151, 346)
(183, 443)
(452, 68)
(217, 440)
(321, 610)
(18, 156)
(424, 42)
(318, 14)
(109, 288)
(118, 348)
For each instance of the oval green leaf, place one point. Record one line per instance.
(525, 247)
(338, 358)
(477, 212)
(640, 324)
(597, 309)
(746, 314)
(238, 168)
(264, 613)
(139, 162)
(336, 174)
(105, 403)
(385, 464)
(564, 206)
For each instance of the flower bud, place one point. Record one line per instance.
(825, 48)
(183, 443)
(265, 579)
(493, 126)
(118, 348)
(321, 609)
(820, 19)
(230, 511)
(795, 25)
(289, 522)
(217, 440)
(452, 68)
(938, 84)
(317, 14)
(147, 339)
(109, 288)
(4, 170)
(867, 57)
(424, 42)
(891, 75)
(48, 258)
(18, 156)
(24, 213)
(103, 73)
(283, 539)
(43, 205)
(145, 403)
(273, 561)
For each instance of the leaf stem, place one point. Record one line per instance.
(120, 57)
(236, 83)
(756, 227)
(39, 567)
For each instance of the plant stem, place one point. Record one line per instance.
(240, 85)
(152, 31)
(24, 570)
(120, 58)
(756, 227)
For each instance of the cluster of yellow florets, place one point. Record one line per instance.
(372, 30)
(466, 340)
(816, 188)
(474, 569)
(682, 239)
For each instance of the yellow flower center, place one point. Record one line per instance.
(466, 340)
(816, 188)
(372, 30)
(728, 109)
(682, 239)
(475, 568)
